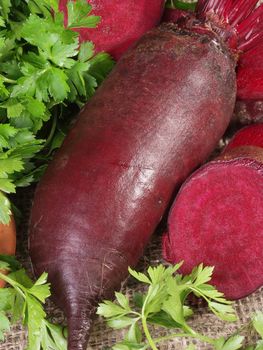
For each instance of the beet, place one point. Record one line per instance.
(216, 218)
(109, 185)
(174, 15)
(249, 111)
(249, 136)
(250, 71)
(159, 114)
(122, 23)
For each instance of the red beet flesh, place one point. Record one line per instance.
(122, 23)
(159, 114)
(217, 218)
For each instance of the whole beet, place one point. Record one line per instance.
(121, 24)
(158, 115)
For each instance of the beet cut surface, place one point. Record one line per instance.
(217, 217)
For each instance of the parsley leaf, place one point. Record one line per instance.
(163, 304)
(5, 7)
(232, 343)
(45, 75)
(78, 15)
(23, 300)
(4, 324)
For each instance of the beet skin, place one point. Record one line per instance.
(249, 111)
(121, 24)
(157, 116)
(217, 219)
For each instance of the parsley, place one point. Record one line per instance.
(164, 305)
(46, 75)
(181, 5)
(23, 301)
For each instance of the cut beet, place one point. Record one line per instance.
(217, 218)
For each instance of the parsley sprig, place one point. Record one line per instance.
(23, 301)
(164, 304)
(46, 75)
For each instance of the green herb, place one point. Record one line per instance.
(45, 77)
(164, 305)
(23, 301)
(181, 5)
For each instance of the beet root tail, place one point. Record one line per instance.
(79, 325)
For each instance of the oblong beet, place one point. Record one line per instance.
(122, 23)
(157, 116)
(217, 218)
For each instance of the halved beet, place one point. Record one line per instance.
(217, 217)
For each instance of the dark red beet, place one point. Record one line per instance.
(250, 136)
(216, 218)
(122, 23)
(174, 15)
(250, 70)
(158, 115)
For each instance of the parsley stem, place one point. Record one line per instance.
(242, 328)
(20, 15)
(144, 325)
(7, 80)
(188, 329)
(150, 340)
(52, 131)
(12, 283)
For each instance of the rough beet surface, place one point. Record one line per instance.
(250, 73)
(159, 114)
(217, 218)
(174, 15)
(122, 23)
(249, 111)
